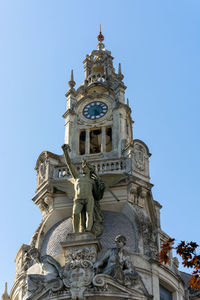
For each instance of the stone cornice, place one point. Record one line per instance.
(122, 105)
(47, 154)
(46, 188)
(68, 112)
(71, 92)
(94, 95)
(91, 85)
(131, 144)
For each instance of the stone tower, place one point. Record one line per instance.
(121, 261)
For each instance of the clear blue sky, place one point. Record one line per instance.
(158, 44)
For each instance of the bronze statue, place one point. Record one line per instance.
(89, 189)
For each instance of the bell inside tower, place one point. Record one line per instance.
(99, 140)
(95, 141)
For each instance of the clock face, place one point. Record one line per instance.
(95, 110)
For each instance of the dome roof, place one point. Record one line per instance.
(115, 223)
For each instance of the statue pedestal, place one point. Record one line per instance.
(80, 246)
(80, 251)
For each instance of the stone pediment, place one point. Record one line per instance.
(104, 285)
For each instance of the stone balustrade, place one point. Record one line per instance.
(94, 77)
(52, 171)
(115, 166)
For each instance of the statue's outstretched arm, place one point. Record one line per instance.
(71, 167)
(100, 262)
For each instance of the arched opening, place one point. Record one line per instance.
(95, 141)
(82, 138)
(108, 139)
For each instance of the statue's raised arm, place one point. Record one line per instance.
(71, 167)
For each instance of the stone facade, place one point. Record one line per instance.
(59, 264)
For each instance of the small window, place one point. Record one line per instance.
(82, 142)
(108, 139)
(95, 141)
(165, 294)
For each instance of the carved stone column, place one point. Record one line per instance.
(49, 170)
(103, 139)
(142, 197)
(87, 142)
(133, 191)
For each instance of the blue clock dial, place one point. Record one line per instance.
(95, 110)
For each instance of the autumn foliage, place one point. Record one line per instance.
(190, 259)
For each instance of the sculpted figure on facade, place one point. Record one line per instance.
(139, 157)
(117, 264)
(41, 168)
(89, 189)
(50, 276)
(148, 237)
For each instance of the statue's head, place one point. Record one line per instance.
(87, 168)
(120, 241)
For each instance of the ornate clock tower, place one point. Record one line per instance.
(98, 121)
(121, 261)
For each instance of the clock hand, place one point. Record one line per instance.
(95, 112)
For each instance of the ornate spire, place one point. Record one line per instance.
(100, 37)
(5, 295)
(71, 82)
(120, 75)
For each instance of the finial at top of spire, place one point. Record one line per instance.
(120, 75)
(100, 37)
(5, 295)
(71, 82)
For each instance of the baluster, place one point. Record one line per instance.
(67, 172)
(63, 172)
